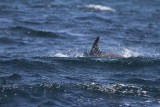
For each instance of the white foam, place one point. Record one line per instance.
(129, 53)
(73, 54)
(60, 55)
(100, 7)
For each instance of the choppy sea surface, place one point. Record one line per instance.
(42, 43)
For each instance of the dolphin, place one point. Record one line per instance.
(95, 51)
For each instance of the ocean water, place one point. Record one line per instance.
(42, 43)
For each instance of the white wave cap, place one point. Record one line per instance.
(100, 7)
(60, 55)
(129, 53)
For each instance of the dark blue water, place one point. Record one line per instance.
(41, 53)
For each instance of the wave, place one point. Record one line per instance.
(51, 62)
(4, 40)
(100, 7)
(122, 62)
(144, 81)
(139, 61)
(105, 88)
(117, 89)
(85, 90)
(97, 18)
(25, 64)
(47, 5)
(12, 77)
(35, 32)
(130, 58)
(120, 51)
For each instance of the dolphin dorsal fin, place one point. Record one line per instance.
(95, 48)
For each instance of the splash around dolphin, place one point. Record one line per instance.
(95, 51)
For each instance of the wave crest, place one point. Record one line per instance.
(100, 7)
(34, 32)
